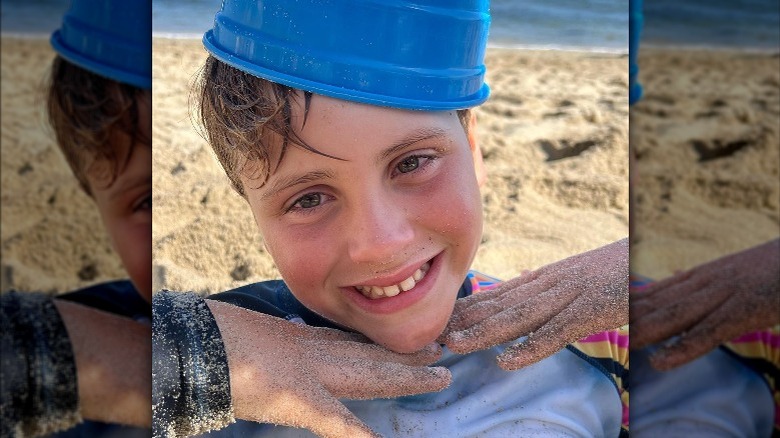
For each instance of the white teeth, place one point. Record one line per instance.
(408, 283)
(374, 292)
(392, 291)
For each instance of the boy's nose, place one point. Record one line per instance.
(379, 231)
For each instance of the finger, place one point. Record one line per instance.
(561, 330)
(510, 324)
(530, 351)
(672, 319)
(373, 352)
(362, 379)
(318, 411)
(513, 322)
(471, 310)
(667, 290)
(501, 289)
(461, 320)
(714, 330)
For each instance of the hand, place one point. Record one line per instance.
(708, 305)
(292, 374)
(554, 306)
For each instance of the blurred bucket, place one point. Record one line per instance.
(110, 38)
(635, 21)
(426, 54)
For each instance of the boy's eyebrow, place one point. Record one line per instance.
(294, 180)
(413, 137)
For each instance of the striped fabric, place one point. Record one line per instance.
(760, 350)
(606, 350)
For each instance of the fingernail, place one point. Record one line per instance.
(441, 373)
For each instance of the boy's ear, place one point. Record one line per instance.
(476, 152)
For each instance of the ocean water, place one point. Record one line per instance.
(730, 24)
(595, 25)
(599, 25)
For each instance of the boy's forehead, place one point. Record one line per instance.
(336, 117)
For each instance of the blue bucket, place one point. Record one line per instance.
(424, 55)
(635, 21)
(110, 38)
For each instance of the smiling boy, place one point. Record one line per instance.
(369, 204)
(379, 236)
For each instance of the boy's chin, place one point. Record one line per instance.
(407, 344)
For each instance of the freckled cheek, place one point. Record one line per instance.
(303, 256)
(454, 209)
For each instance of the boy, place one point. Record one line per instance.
(372, 213)
(95, 341)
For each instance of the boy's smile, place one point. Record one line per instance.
(380, 238)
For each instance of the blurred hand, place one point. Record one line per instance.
(292, 374)
(554, 306)
(708, 305)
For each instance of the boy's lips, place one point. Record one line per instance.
(378, 290)
(369, 301)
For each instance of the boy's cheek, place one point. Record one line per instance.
(132, 240)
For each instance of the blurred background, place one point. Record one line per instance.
(706, 132)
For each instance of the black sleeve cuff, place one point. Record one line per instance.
(191, 381)
(39, 383)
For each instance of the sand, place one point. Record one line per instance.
(706, 137)
(52, 237)
(539, 206)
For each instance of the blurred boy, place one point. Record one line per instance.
(86, 354)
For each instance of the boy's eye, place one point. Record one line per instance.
(144, 204)
(309, 200)
(408, 164)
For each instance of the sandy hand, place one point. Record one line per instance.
(292, 374)
(712, 303)
(554, 306)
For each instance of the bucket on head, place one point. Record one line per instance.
(110, 38)
(635, 21)
(425, 54)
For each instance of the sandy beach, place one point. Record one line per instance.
(52, 237)
(706, 138)
(553, 134)
(554, 137)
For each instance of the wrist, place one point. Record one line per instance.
(113, 363)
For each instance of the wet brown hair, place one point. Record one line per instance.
(86, 111)
(243, 116)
